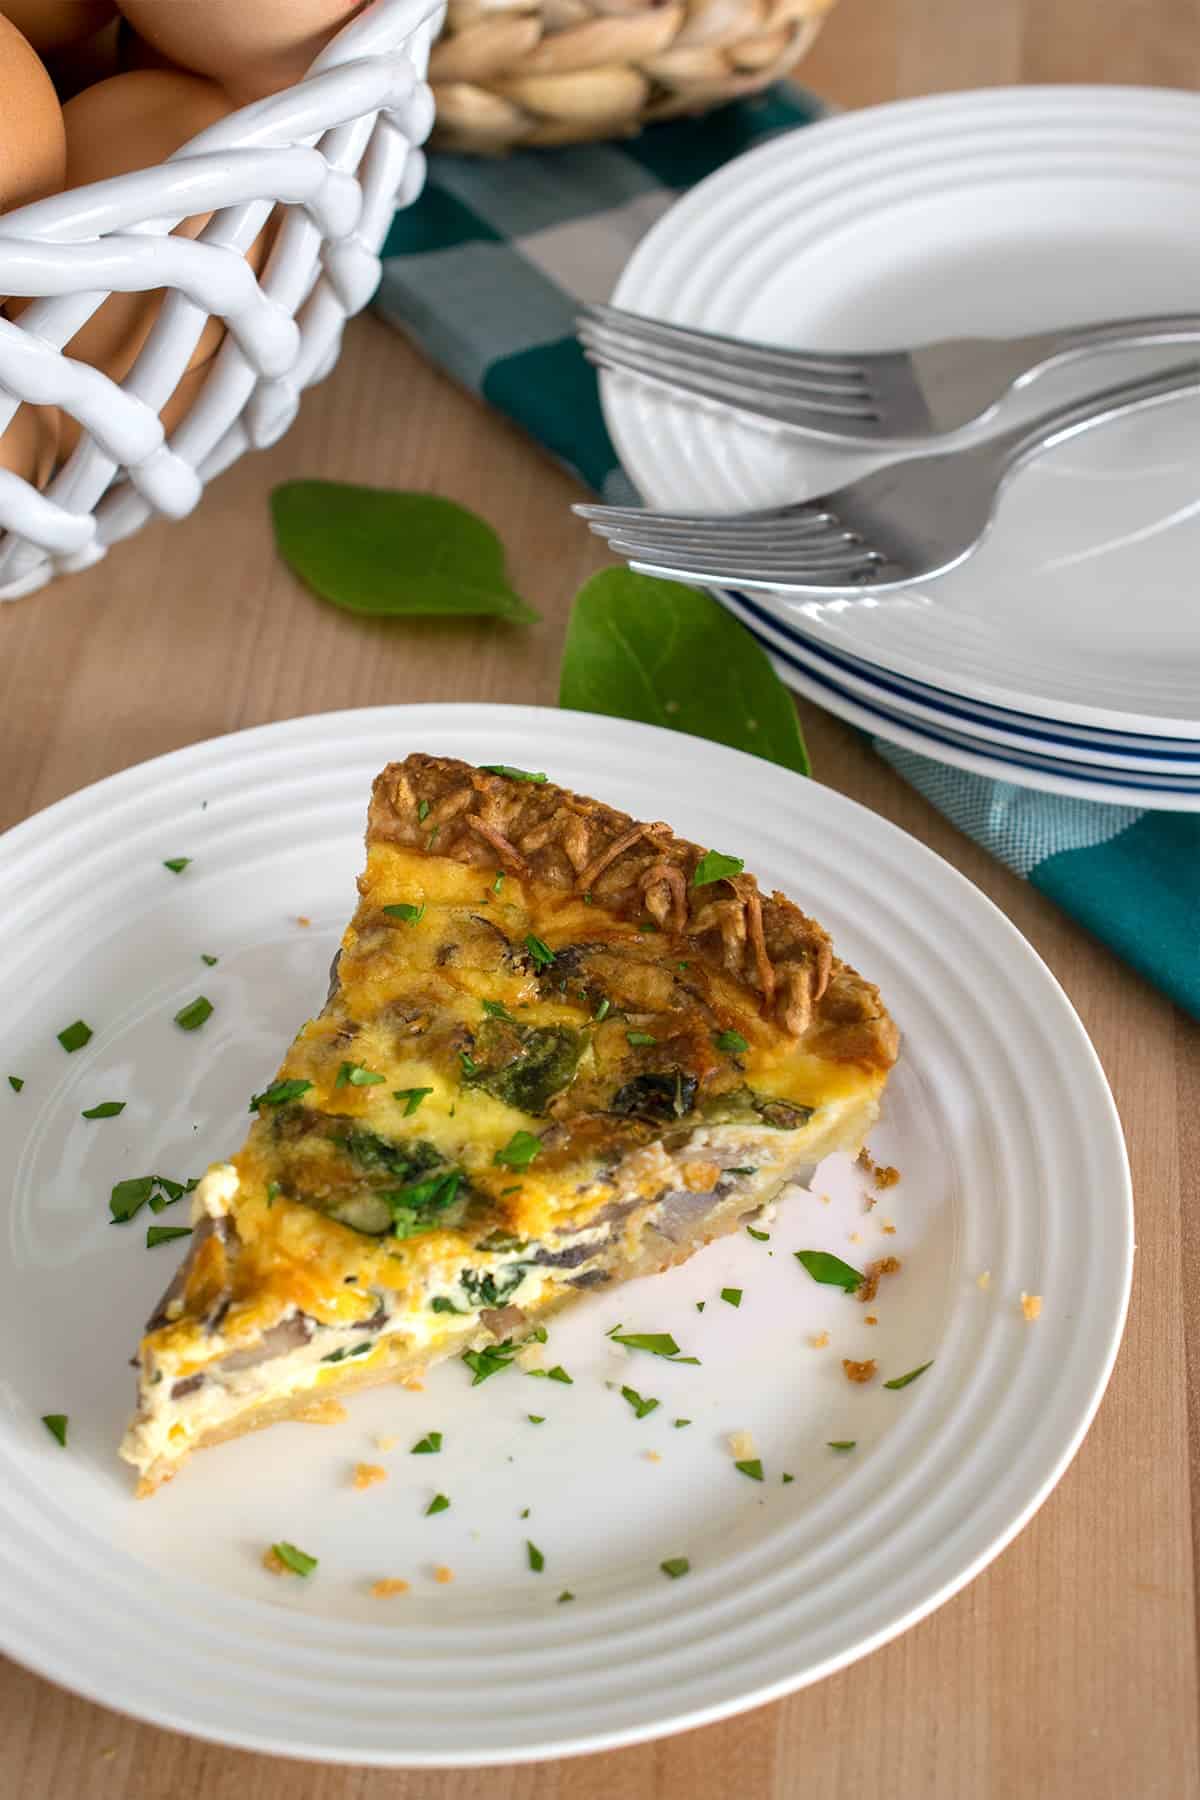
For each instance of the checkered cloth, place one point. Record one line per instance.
(484, 274)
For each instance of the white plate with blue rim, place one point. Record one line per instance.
(988, 213)
(1013, 1168)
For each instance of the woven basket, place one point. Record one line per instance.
(508, 74)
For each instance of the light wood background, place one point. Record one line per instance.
(1069, 1669)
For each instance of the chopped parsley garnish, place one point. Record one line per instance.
(209, 961)
(732, 1296)
(107, 1109)
(764, 1237)
(830, 1270)
(751, 1467)
(16, 1083)
(743, 1169)
(565, 1595)
(523, 1515)
(700, 1305)
(192, 1016)
(163, 1234)
(280, 1093)
(490, 1361)
(714, 866)
(680, 1423)
(603, 1010)
(403, 909)
(429, 1445)
(75, 1036)
(731, 1041)
(56, 1425)
(537, 1561)
(412, 1098)
(176, 864)
(467, 1064)
(354, 1075)
(641, 1406)
(298, 1561)
(536, 1418)
(557, 1373)
(415, 1208)
(539, 1334)
(422, 811)
(647, 925)
(128, 1197)
(675, 1566)
(513, 774)
(431, 840)
(841, 1444)
(438, 1504)
(348, 1350)
(786, 1478)
(272, 1195)
(494, 1287)
(641, 1037)
(496, 1009)
(901, 1381)
(519, 1151)
(658, 1343)
(541, 953)
(441, 1303)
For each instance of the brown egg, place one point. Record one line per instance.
(30, 444)
(91, 59)
(252, 47)
(49, 24)
(134, 121)
(32, 146)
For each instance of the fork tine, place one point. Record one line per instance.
(597, 513)
(727, 563)
(717, 533)
(800, 382)
(713, 346)
(791, 406)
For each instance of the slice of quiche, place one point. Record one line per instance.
(561, 1048)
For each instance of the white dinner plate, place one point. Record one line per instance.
(1012, 1162)
(996, 212)
(876, 713)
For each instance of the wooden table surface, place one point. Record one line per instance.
(1069, 1668)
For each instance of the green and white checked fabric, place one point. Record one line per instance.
(484, 274)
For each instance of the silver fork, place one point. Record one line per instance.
(906, 522)
(905, 396)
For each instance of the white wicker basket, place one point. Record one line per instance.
(336, 154)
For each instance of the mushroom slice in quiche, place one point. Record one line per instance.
(561, 1048)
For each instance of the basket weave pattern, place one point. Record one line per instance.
(326, 161)
(514, 73)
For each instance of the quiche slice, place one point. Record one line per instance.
(561, 1048)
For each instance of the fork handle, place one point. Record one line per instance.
(1044, 347)
(1015, 446)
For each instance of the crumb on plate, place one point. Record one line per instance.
(275, 1563)
(741, 1446)
(984, 1279)
(652, 1456)
(442, 1574)
(386, 1443)
(868, 1287)
(819, 1339)
(882, 1174)
(854, 1237)
(887, 1228)
(321, 1412)
(367, 1474)
(383, 1590)
(1031, 1306)
(859, 1371)
(303, 919)
(870, 1319)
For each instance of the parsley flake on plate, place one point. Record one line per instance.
(732, 1296)
(163, 1234)
(536, 1418)
(751, 1467)
(129, 1196)
(16, 1083)
(657, 1343)
(412, 1098)
(429, 1445)
(679, 1423)
(438, 1504)
(75, 1036)
(641, 1406)
(557, 1373)
(731, 1041)
(786, 1478)
(831, 1271)
(675, 1566)
(489, 1361)
(714, 866)
(176, 864)
(354, 1075)
(209, 961)
(841, 1443)
(192, 1016)
(56, 1425)
(298, 1561)
(763, 1237)
(107, 1109)
(280, 1093)
(565, 1595)
(519, 1151)
(541, 953)
(537, 1561)
(902, 1381)
(403, 909)
(512, 774)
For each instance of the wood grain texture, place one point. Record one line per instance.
(1068, 1669)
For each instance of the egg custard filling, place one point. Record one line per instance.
(561, 1048)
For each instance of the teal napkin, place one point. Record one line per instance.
(484, 274)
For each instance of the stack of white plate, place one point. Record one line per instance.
(1065, 654)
